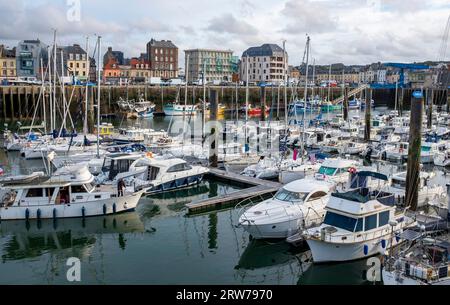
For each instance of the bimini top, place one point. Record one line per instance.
(307, 186)
(339, 163)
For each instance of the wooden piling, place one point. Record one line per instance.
(415, 143)
(368, 119)
(4, 104)
(344, 105)
(11, 100)
(430, 98)
(214, 143)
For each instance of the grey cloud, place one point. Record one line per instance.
(227, 23)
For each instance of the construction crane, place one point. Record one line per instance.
(403, 67)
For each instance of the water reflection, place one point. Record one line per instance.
(28, 239)
(277, 262)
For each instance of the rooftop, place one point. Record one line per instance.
(162, 43)
(264, 50)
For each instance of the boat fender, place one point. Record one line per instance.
(383, 244)
(114, 208)
(38, 214)
(104, 209)
(83, 212)
(27, 214)
(366, 249)
(54, 213)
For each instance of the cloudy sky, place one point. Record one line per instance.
(348, 31)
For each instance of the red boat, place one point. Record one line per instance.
(256, 111)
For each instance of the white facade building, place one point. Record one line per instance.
(264, 64)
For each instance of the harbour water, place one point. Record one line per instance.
(159, 244)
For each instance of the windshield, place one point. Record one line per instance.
(329, 171)
(343, 222)
(285, 195)
(426, 148)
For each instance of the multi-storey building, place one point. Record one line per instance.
(117, 55)
(218, 65)
(163, 58)
(267, 63)
(7, 63)
(28, 58)
(76, 62)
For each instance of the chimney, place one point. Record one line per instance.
(109, 49)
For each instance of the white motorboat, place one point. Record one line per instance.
(352, 148)
(427, 191)
(158, 175)
(335, 170)
(359, 223)
(69, 192)
(296, 206)
(442, 158)
(178, 110)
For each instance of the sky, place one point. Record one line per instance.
(341, 31)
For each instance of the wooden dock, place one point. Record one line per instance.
(254, 187)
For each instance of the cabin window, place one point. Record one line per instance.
(179, 168)
(285, 195)
(152, 173)
(359, 225)
(329, 171)
(78, 189)
(398, 183)
(370, 223)
(340, 221)
(35, 193)
(426, 148)
(317, 195)
(50, 191)
(89, 187)
(383, 219)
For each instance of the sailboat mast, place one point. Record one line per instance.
(314, 83)
(43, 95)
(246, 103)
(54, 81)
(98, 96)
(204, 99)
(305, 94)
(285, 86)
(50, 82)
(85, 123)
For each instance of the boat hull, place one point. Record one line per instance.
(73, 210)
(324, 252)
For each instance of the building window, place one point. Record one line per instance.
(71, 56)
(84, 65)
(167, 59)
(78, 65)
(77, 56)
(156, 51)
(156, 58)
(4, 64)
(161, 51)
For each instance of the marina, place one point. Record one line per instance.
(322, 160)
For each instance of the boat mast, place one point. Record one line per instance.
(50, 93)
(305, 94)
(204, 99)
(246, 105)
(285, 88)
(54, 82)
(98, 96)
(312, 88)
(85, 124)
(43, 95)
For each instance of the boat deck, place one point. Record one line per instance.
(255, 187)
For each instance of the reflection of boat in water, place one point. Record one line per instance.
(261, 254)
(119, 223)
(347, 273)
(34, 238)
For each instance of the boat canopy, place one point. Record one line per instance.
(373, 175)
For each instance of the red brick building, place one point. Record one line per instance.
(163, 58)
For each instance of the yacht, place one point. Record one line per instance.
(68, 192)
(159, 174)
(352, 148)
(358, 224)
(425, 261)
(442, 158)
(427, 191)
(144, 109)
(298, 205)
(335, 170)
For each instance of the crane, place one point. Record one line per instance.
(403, 67)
